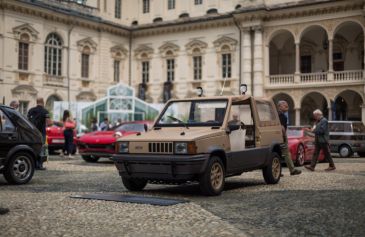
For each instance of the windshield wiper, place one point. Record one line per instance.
(178, 120)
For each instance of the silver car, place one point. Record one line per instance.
(347, 137)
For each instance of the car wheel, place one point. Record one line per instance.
(272, 172)
(91, 159)
(134, 184)
(20, 169)
(213, 180)
(300, 159)
(361, 154)
(345, 151)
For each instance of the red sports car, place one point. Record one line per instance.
(98, 144)
(55, 137)
(301, 145)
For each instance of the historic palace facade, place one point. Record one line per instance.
(310, 53)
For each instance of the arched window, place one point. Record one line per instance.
(53, 55)
(23, 53)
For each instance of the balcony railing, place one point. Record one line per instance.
(313, 77)
(282, 79)
(320, 78)
(353, 75)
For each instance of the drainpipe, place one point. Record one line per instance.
(69, 64)
(240, 56)
(130, 59)
(252, 33)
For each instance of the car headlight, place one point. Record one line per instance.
(185, 148)
(123, 147)
(181, 148)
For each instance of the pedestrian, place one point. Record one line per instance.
(104, 126)
(14, 104)
(94, 125)
(69, 125)
(283, 107)
(39, 116)
(321, 133)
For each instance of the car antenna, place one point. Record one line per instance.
(224, 84)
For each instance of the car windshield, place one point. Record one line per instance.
(131, 127)
(294, 133)
(358, 127)
(193, 113)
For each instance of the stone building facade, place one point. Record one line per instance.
(310, 53)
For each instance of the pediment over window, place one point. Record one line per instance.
(225, 42)
(25, 89)
(119, 52)
(87, 42)
(86, 96)
(143, 51)
(169, 49)
(25, 29)
(196, 44)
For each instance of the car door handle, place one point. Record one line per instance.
(13, 138)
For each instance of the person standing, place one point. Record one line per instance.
(39, 116)
(94, 125)
(104, 126)
(282, 109)
(14, 104)
(321, 133)
(68, 132)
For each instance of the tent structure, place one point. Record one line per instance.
(120, 103)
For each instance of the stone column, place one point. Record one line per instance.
(330, 60)
(329, 113)
(246, 59)
(297, 63)
(267, 64)
(297, 116)
(258, 63)
(363, 113)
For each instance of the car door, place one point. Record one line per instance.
(8, 134)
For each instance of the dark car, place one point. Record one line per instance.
(347, 137)
(20, 146)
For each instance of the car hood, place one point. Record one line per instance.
(174, 134)
(98, 137)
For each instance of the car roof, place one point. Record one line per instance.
(223, 97)
(344, 121)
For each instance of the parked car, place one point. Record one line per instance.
(92, 146)
(56, 139)
(21, 144)
(301, 145)
(347, 137)
(200, 139)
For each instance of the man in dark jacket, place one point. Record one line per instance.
(39, 116)
(283, 108)
(321, 133)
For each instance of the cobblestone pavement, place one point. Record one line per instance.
(311, 204)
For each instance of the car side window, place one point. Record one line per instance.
(265, 111)
(6, 124)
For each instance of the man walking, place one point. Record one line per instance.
(282, 109)
(321, 133)
(14, 104)
(39, 116)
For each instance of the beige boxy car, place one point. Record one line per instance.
(204, 139)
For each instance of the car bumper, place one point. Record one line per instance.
(161, 167)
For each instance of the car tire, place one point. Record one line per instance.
(213, 179)
(272, 172)
(361, 154)
(19, 169)
(300, 156)
(345, 151)
(134, 184)
(91, 159)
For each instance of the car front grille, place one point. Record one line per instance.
(160, 147)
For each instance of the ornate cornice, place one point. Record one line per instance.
(196, 44)
(119, 52)
(169, 47)
(225, 40)
(89, 42)
(25, 29)
(143, 49)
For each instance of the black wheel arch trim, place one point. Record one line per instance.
(20, 148)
